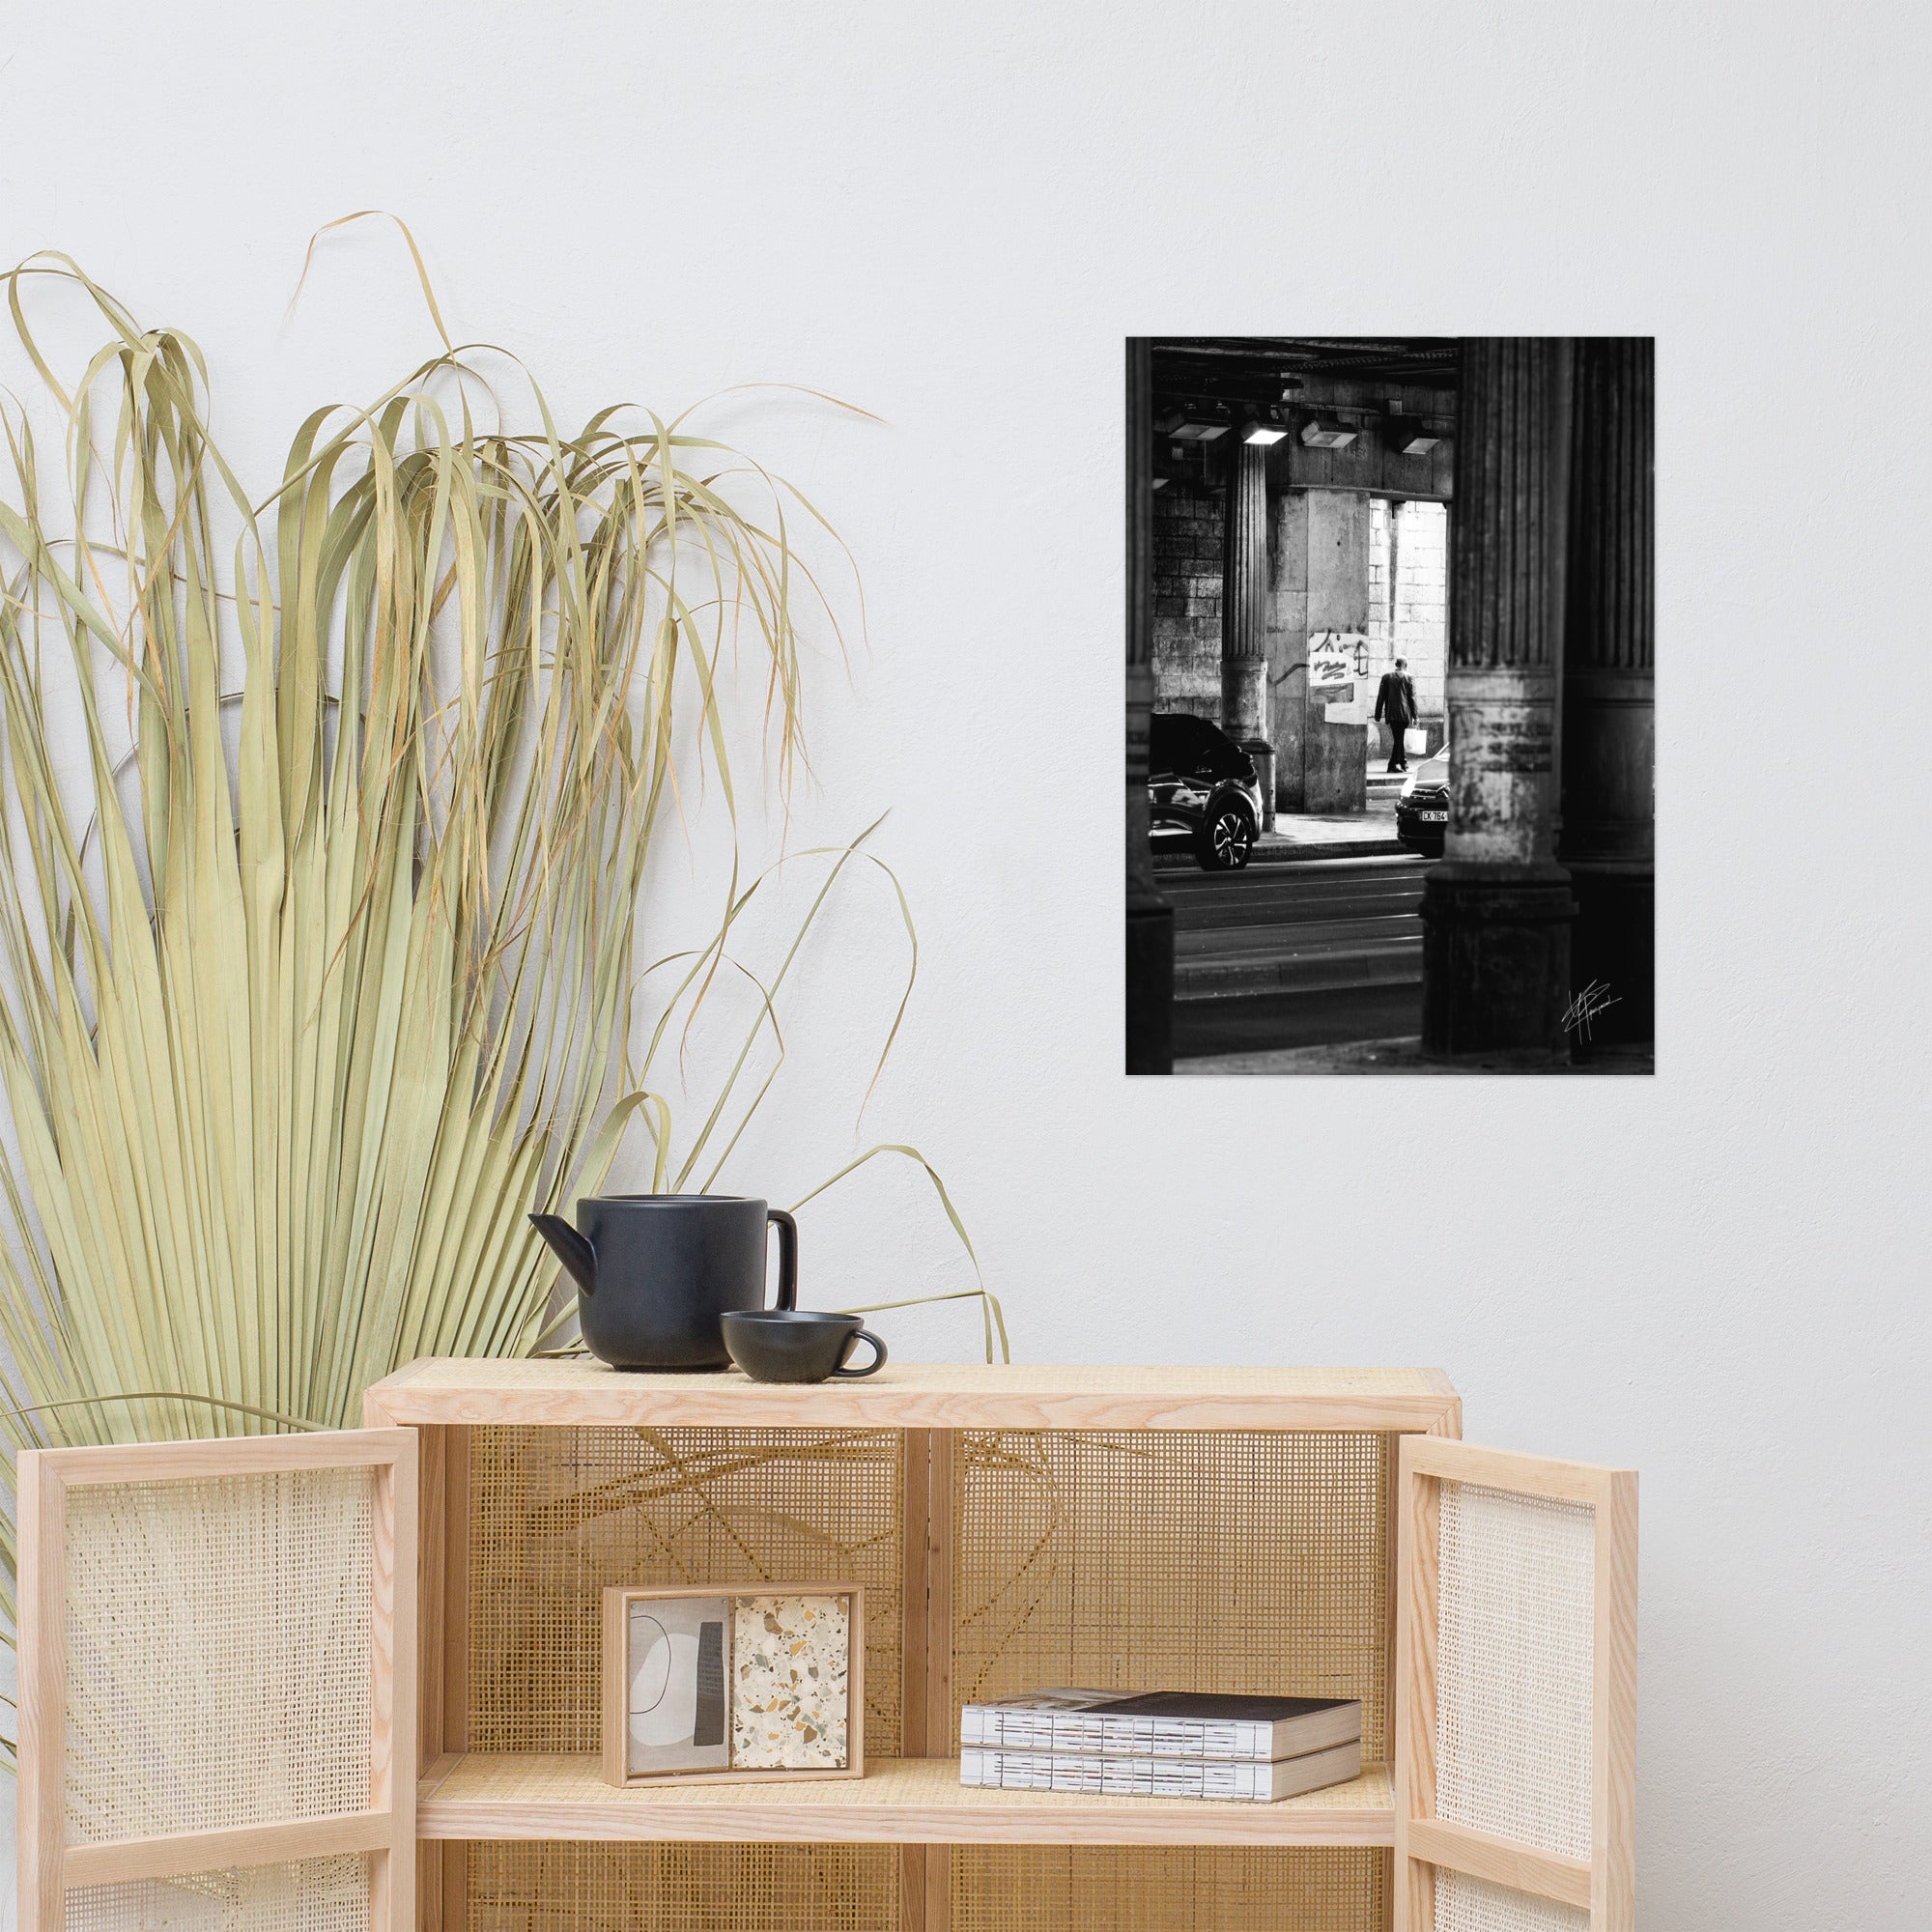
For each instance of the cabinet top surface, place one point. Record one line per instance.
(922, 1396)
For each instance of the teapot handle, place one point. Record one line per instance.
(787, 1257)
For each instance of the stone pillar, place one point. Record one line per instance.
(1608, 837)
(1335, 758)
(1497, 909)
(1244, 589)
(1150, 1013)
(1287, 644)
(1319, 583)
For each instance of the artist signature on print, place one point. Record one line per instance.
(1594, 999)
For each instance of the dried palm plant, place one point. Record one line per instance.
(319, 973)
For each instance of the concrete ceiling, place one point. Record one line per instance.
(1257, 368)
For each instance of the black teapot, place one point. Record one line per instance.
(655, 1272)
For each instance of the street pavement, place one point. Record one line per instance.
(1303, 955)
(1298, 835)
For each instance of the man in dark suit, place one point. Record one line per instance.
(1395, 700)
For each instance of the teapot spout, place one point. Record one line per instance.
(570, 1248)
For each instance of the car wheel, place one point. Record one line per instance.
(1226, 840)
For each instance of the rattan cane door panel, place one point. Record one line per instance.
(1516, 1694)
(217, 1700)
(310, 1895)
(204, 1692)
(1465, 1904)
(558, 1514)
(1213, 1560)
(1515, 1651)
(536, 1886)
(1222, 1888)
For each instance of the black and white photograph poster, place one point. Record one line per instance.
(1390, 705)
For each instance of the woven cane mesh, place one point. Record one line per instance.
(557, 1514)
(1465, 1904)
(539, 1887)
(1515, 1651)
(217, 1652)
(1251, 1561)
(1118, 1888)
(313, 1896)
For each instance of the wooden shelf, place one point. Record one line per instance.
(899, 1802)
(533, 1394)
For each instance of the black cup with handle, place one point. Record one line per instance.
(796, 1345)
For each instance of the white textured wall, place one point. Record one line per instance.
(952, 217)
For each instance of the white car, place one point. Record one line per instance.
(1422, 811)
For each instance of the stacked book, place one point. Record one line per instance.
(1164, 1743)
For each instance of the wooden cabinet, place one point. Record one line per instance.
(1318, 1530)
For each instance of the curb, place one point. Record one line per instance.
(1298, 855)
(1319, 973)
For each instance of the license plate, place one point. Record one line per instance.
(1433, 818)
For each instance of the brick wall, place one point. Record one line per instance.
(1417, 627)
(1379, 575)
(1189, 544)
(1422, 595)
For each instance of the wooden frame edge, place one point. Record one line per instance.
(1613, 1747)
(213, 1456)
(441, 1545)
(1413, 1780)
(1454, 1460)
(173, 1854)
(41, 1651)
(926, 1653)
(394, 1713)
(862, 1405)
(945, 1493)
(944, 1469)
(1500, 1861)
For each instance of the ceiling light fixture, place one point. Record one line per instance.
(1326, 432)
(1198, 423)
(1410, 438)
(1267, 424)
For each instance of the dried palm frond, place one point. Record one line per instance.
(318, 976)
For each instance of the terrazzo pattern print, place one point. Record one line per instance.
(790, 1657)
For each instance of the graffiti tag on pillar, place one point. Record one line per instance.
(1331, 656)
(1337, 666)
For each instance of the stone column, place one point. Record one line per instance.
(1150, 1040)
(1288, 644)
(1608, 837)
(1319, 582)
(1497, 909)
(1335, 758)
(1245, 590)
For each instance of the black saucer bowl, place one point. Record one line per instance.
(794, 1345)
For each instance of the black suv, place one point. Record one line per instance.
(1202, 788)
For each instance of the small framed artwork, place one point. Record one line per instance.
(764, 1683)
